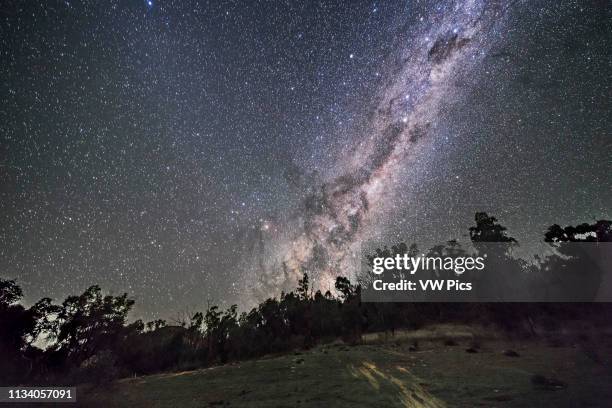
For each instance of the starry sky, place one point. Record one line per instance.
(195, 151)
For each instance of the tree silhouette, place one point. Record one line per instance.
(601, 231)
(302, 289)
(90, 323)
(345, 288)
(19, 328)
(488, 230)
(575, 274)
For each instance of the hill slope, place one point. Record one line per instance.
(386, 375)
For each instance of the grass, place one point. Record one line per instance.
(383, 375)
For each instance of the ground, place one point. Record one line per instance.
(406, 370)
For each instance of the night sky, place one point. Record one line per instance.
(187, 151)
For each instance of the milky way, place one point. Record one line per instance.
(337, 215)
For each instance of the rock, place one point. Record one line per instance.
(539, 381)
(499, 398)
(510, 353)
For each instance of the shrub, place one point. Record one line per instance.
(99, 369)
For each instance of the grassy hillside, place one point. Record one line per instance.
(438, 372)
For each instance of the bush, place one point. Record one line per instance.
(99, 369)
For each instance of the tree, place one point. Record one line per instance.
(89, 323)
(10, 293)
(227, 324)
(576, 274)
(488, 230)
(601, 231)
(345, 288)
(302, 289)
(19, 328)
(155, 324)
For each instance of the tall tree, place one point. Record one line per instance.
(90, 322)
(488, 230)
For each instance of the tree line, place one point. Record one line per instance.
(88, 337)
